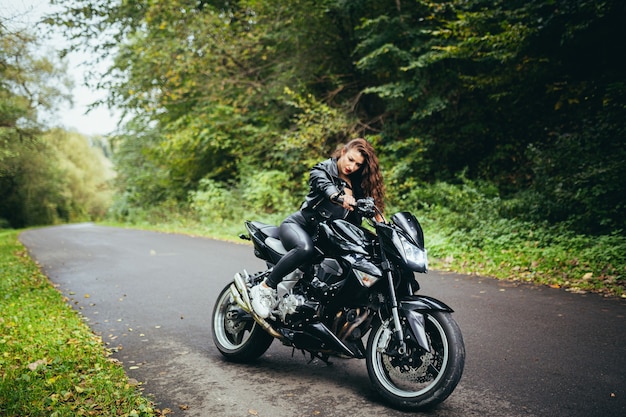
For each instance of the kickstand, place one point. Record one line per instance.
(323, 358)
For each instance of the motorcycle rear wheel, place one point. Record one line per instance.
(423, 379)
(235, 333)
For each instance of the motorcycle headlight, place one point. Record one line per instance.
(416, 258)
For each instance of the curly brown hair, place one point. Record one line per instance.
(369, 176)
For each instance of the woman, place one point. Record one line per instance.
(352, 173)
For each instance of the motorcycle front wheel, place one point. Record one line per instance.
(235, 333)
(421, 379)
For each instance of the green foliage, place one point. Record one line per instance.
(315, 131)
(482, 83)
(485, 88)
(84, 175)
(61, 178)
(18, 112)
(29, 83)
(141, 180)
(467, 230)
(215, 202)
(579, 178)
(52, 364)
(270, 192)
(45, 177)
(264, 192)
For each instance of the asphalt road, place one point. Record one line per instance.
(531, 351)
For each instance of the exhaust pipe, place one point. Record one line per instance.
(239, 291)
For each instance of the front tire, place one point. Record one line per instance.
(235, 333)
(421, 379)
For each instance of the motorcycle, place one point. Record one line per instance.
(361, 280)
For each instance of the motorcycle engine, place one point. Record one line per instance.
(295, 309)
(289, 305)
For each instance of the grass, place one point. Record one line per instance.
(529, 253)
(51, 364)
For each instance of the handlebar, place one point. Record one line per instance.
(364, 206)
(367, 208)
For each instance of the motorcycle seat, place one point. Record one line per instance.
(267, 229)
(272, 240)
(276, 245)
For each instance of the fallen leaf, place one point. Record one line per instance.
(253, 412)
(183, 407)
(34, 365)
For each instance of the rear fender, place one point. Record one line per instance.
(413, 308)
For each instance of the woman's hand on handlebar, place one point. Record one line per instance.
(349, 203)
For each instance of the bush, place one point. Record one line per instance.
(269, 192)
(215, 202)
(471, 230)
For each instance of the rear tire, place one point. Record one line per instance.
(422, 379)
(235, 333)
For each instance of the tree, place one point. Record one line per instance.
(527, 95)
(501, 91)
(45, 177)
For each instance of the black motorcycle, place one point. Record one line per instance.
(360, 281)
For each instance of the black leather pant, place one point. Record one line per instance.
(297, 240)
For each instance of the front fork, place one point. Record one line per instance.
(417, 325)
(414, 308)
(399, 333)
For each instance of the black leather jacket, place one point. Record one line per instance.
(324, 182)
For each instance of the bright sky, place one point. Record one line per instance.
(99, 121)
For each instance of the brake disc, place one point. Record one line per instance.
(402, 369)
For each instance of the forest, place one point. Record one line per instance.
(499, 123)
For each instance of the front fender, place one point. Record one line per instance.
(413, 308)
(423, 303)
